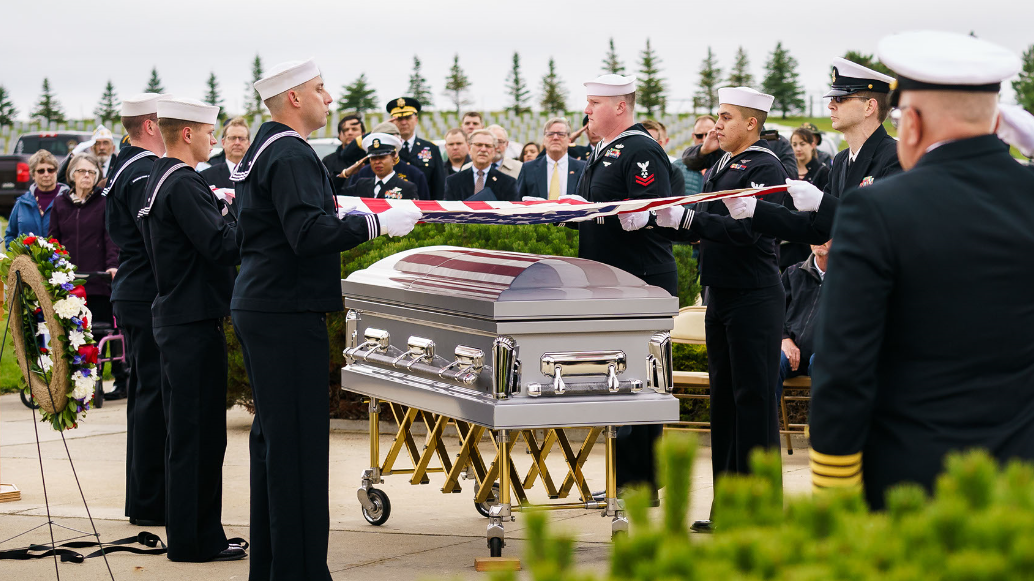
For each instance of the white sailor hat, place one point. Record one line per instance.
(932, 60)
(610, 86)
(745, 97)
(286, 76)
(849, 78)
(377, 144)
(102, 132)
(141, 104)
(187, 110)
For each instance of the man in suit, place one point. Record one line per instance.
(481, 179)
(506, 165)
(912, 365)
(381, 149)
(236, 139)
(860, 103)
(556, 173)
(405, 114)
(457, 151)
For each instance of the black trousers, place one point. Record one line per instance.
(103, 311)
(194, 391)
(635, 444)
(145, 414)
(744, 330)
(287, 357)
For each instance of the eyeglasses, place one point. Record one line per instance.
(840, 99)
(91, 172)
(46, 170)
(482, 146)
(896, 114)
(241, 139)
(700, 135)
(557, 134)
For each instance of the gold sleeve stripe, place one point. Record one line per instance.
(835, 471)
(816, 489)
(827, 482)
(831, 460)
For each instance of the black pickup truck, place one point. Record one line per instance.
(14, 168)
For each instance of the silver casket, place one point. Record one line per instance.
(509, 340)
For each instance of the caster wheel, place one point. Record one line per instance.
(27, 400)
(618, 535)
(484, 507)
(495, 547)
(381, 507)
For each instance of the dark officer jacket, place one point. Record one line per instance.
(134, 280)
(460, 186)
(218, 175)
(191, 248)
(403, 170)
(363, 188)
(877, 159)
(428, 158)
(912, 361)
(289, 235)
(631, 167)
(732, 253)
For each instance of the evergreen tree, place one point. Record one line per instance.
(457, 84)
(359, 96)
(611, 63)
(212, 96)
(1024, 86)
(108, 108)
(740, 75)
(868, 61)
(47, 108)
(710, 77)
(418, 87)
(554, 96)
(154, 84)
(252, 99)
(651, 85)
(517, 88)
(782, 81)
(7, 110)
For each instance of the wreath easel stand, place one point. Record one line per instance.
(8, 492)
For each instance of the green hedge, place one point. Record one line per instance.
(976, 527)
(537, 239)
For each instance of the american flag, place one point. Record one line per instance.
(533, 211)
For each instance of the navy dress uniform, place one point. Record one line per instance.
(405, 172)
(745, 309)
(875, 160)
(421, 153)
(132, 292)
(630, 166)
(391, 186)
(290, 241)
(192, 251)
(913, 365)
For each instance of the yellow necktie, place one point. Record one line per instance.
(554, 183)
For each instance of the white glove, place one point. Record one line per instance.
(573, 197)
(670, 217)
(1016, 127)
(741, 208)
(399, 221)
(633, 220)
(806, 197)
(345, 204)
(532, 199)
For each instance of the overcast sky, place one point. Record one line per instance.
(80, 45)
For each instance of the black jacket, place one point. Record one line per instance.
(803, 287)
(289, 235)
(344, 157)
(218, 175)
(403, 170)
(460, 185)
(913, 360)
(191, 248)
(363, 188)
(629, 168)
(818, 173)
(877, 159)
(732, 253)
(134, 280)
(428, 158)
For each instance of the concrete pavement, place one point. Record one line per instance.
(428, 536)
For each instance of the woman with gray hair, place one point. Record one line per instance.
(31, 212)
(77, 221)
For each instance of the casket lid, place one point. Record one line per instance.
(507, 285)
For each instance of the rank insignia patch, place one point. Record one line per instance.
(424, 155)
(644, 181)
(612, 153)
(866, 182)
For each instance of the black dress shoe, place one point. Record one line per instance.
(115, 394)
(231, 553)
(702, 526)
(146, 522)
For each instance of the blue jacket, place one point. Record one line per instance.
(25, 216)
